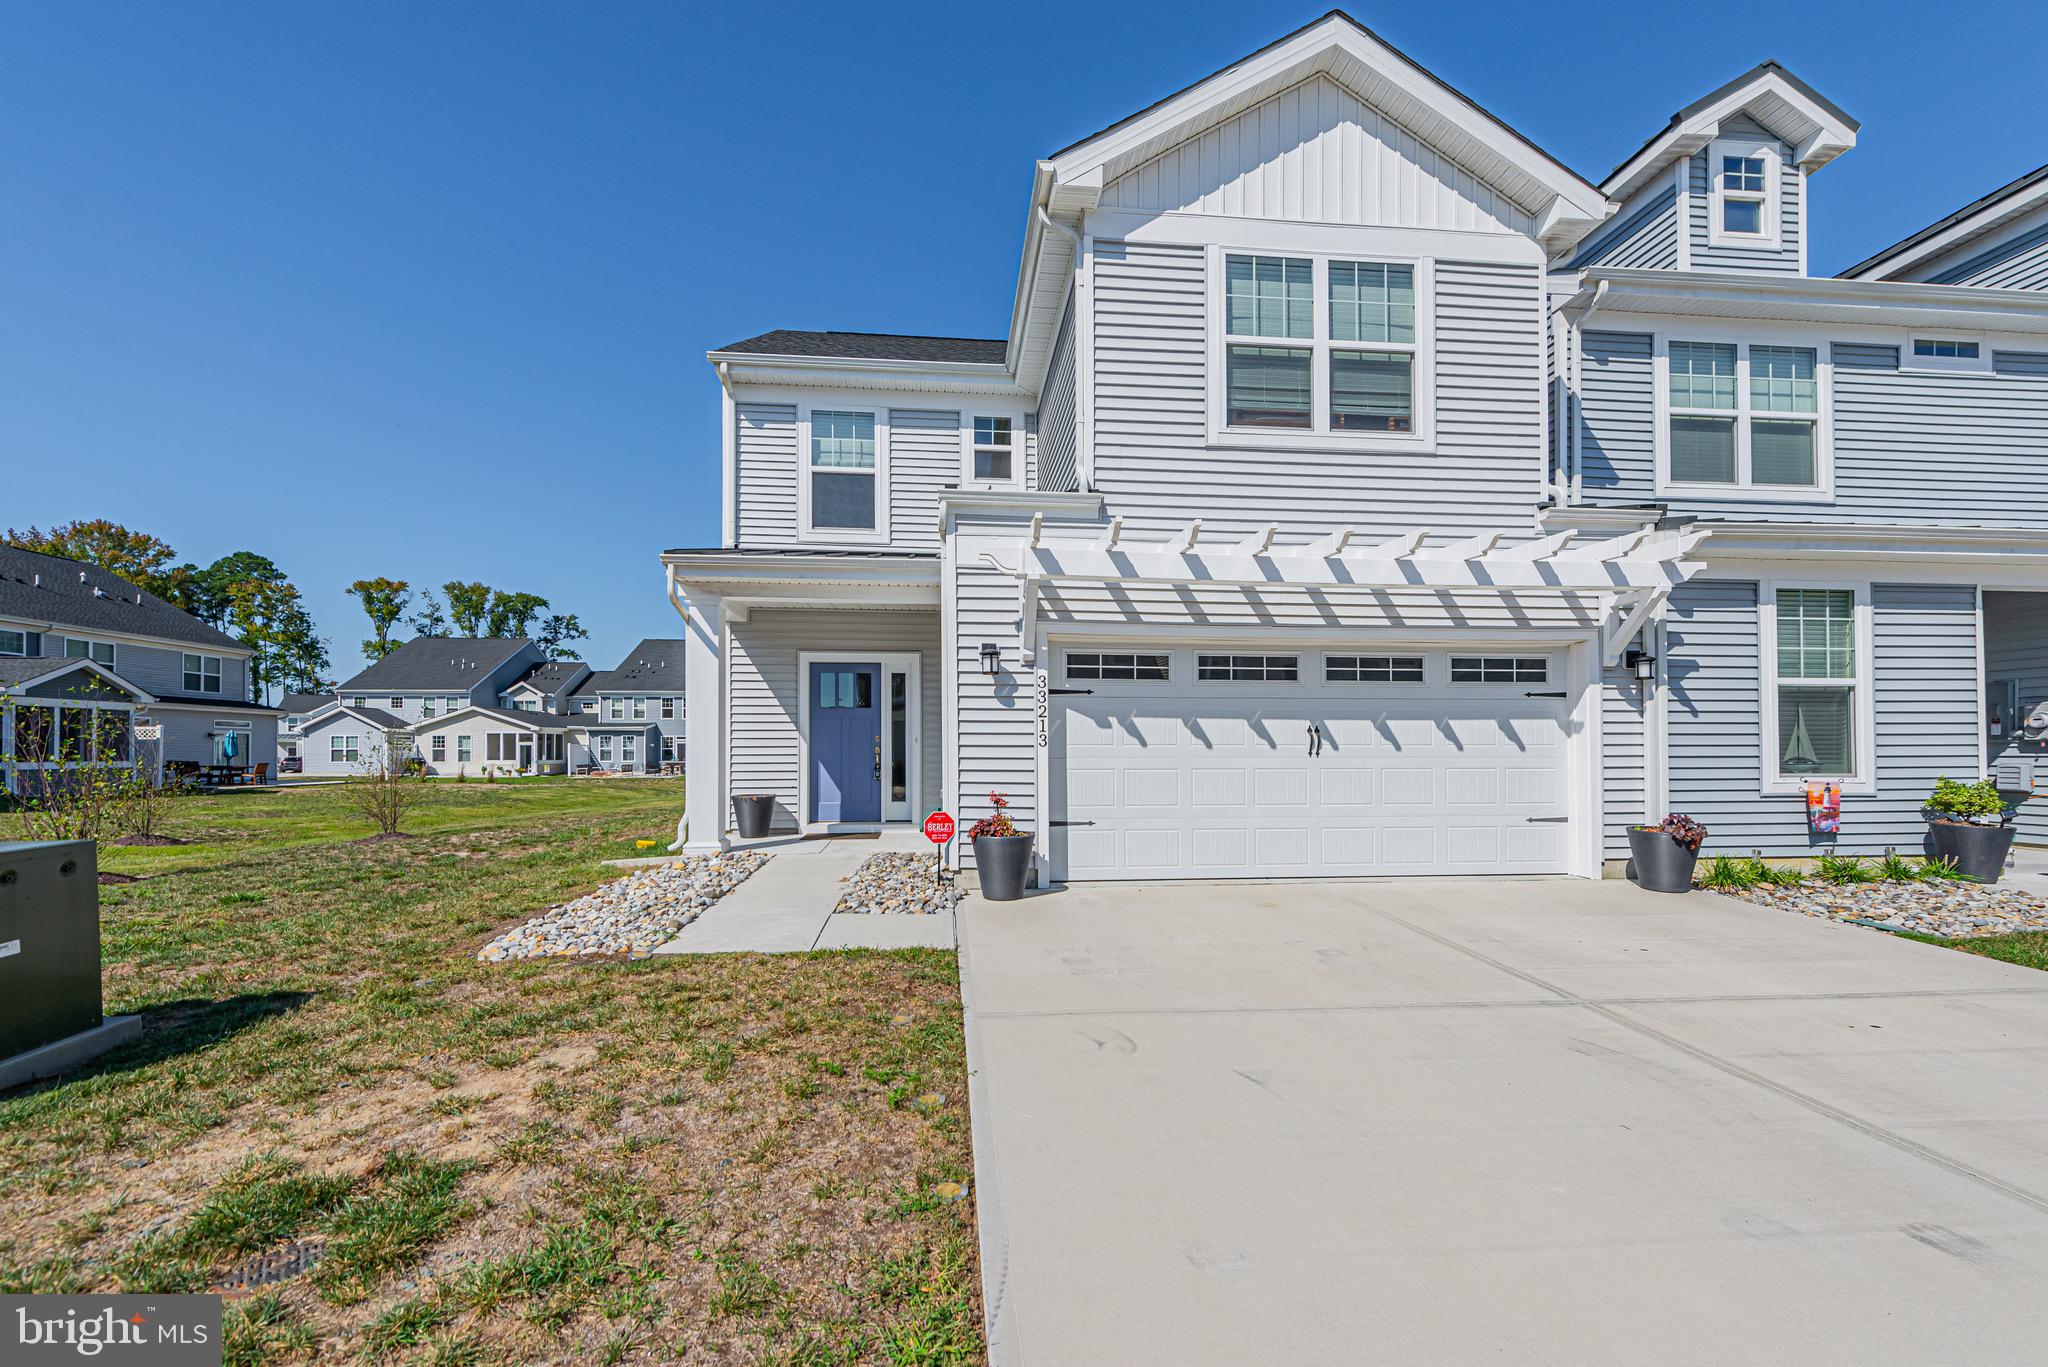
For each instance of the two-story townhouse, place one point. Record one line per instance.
(1358, 490)
(419, 687)
(294, 709)
(546, 687)
(632, 719)
(76, 638)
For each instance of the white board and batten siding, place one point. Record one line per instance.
(1155, 468)
(764, 690)
(1926, 707)
(1315, 153)
(1891, 425)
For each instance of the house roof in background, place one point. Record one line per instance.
(437, 662)
(536, 721)
(375, 716)
(70, 593)
(298, 704)
(550, 675)
(653, 666)
(872, 346)
(2011, 190)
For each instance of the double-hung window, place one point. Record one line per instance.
(615, 708)
(344, 749)
(843, 471)
(427, 707)
(99, 652)
(1744, 415)
(639, 709)
(21, 642)
(668, 709)
(995, 450)
(202, 674)
(1814, 648)
(1742, 193)
(1328, 348)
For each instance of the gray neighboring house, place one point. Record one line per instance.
(424, 680)
(174, 672)
(546, 687)
(631, 719)
(294, 709)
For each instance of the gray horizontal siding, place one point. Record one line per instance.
(1155, 469)
(1645, 237)
(2019, 263)
(1058, 449)
(765, 462)
(924, 457)
(2016, 648)
(1982, 432)
(762, 690)
(1778, 258)
(997, 739)
(1926, 710)
(1622, 751)
(160, 671)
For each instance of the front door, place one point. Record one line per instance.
(846, 742)
(526, 754)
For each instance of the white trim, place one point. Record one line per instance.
(887, 662)
(1682, 206)
(1910, 363)
(1863, 716)
(1084, 365)
(2000, 216)
(728, 414)
(1769, 200)
(1351, 241)
(1016, 417)
(1320, 345)
(1983, 688)
(1822, 490)
(805, 532)
(57, 628)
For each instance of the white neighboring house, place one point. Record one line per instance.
(180, 677)
(294, 709)
(493, 740)
(426, 679)
(1356, 489)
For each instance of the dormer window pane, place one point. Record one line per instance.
(1742, 216)
(1743, 174)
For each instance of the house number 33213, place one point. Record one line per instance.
(1042, 705)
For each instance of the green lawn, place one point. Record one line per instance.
(2028, 948)
(726, 1159)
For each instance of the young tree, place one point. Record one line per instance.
(385, 788)
(512, 614)
(557, 630)
(429, 620)
(385, 601)
(469, 605)
(271, 619)
(138, 557)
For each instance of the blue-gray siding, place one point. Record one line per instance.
(765, 461)
(924, 457)
(1155, 469)
(1984, 433)
(1644, 237)
(1622, 751)
(1058, 453)
(1926, 710)
(2019, 263)
(2016, 648)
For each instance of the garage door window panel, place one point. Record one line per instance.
(1248, 668)
(1115, 666)
(1372, 669)
(1499, 669)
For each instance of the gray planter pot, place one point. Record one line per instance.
(1659, 863)
(1979, 851)
(1001, 861)
(753, 814)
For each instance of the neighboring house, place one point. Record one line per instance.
(426, 679)
(481, 740)
(546, 687)
(171, 671)
(1359, 490)
(632, 719)
(294, 709)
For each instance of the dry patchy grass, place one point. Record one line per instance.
(716, 1159)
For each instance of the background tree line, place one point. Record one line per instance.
(472, 610)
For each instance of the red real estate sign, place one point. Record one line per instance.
(938, 828)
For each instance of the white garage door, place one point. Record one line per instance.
(1207, 764)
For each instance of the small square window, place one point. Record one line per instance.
(1743, 174)
(1742, 216)
(1499, 669)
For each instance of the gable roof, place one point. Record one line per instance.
(653, 666)
(532, 721)
(871, 346)
(18, 672)
(1817, 128)
(549, 675)
(1972, 221)
(298, 704)
(437, 662)
(71, 593)
(375, 716)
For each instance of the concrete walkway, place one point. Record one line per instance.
(1514, 1121)
(786, 906)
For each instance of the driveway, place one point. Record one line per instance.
(1529, 1121)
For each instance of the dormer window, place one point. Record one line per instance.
(1743, 188)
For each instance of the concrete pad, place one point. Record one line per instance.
(61, 1056)
(845, 930)
(1400, 1157)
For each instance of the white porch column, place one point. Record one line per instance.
(704, 724)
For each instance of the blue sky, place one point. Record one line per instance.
(424, 290)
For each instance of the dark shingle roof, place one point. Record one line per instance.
(1942, 225)
(874, 346)
(436, 662)
(545, 721)
(653, 666)
(552, 675)
(16, 669)
(299, 704)
(375, 716)
(46, 588)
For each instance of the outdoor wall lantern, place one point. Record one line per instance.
(991, 658)
(1643, 663)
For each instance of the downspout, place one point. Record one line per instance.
(1578, 357)
(1083, 419)
(675, 601)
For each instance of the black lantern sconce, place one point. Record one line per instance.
(1643, 663)
(991, 658)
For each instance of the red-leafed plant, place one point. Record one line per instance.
(996, 823)
(1683, 829)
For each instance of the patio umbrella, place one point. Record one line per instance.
(229, 743)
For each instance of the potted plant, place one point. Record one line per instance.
(1970, 824)
(1663, 855)
(753, 813)
(1002, 853)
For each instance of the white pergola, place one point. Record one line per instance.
(1628, 576)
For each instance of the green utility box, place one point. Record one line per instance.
(49, 943)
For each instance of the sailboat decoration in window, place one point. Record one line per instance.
(1799, 755)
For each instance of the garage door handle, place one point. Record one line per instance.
(1071, 823)
(1546, 818)
(1558, 694)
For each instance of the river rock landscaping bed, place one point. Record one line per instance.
(896, 884)
(630, 915)
(1952, 910)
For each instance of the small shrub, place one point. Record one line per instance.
(1846, 868)
(998, 823)
(1682, 829)
(1727, 873)
(1979, 802)
(1774, 875)
(1939, 870)
(1896, 868)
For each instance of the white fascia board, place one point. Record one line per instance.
(1986, 220)
(954, 504)
(1308, 51)
(846, 372)
(1878, 303)
(1781, 540)
(1826, 138)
